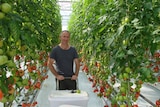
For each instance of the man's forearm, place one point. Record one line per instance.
(77, 67)
(52, 69)
(77, 72)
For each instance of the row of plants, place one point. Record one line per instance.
(119, 44)
(28, 30)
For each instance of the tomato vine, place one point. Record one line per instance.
(122, 36)
(28, 31)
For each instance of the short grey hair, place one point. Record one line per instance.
(65, 31)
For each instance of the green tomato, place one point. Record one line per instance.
(126, 19)
(122, 105)
(1, 43)
(120, 98)
(6, 7)
(125, 98)
(10, 63)
(25, 81)
(122, 89)
(128, 69)
(124, 84)
(125, 42)
(19, 83)
(4, 100)
(2, 15)
(139, 85)
(120, 76)
(16, 78)
(12, 52)
(125, 76)
(11, 97)
(1, 51)
(3, 59)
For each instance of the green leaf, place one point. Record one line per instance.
(130, 52)
(109, 41)
(119, 31)
(102, 19)
(156, 40)
(148, 5)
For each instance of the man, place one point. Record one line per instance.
(64, 56)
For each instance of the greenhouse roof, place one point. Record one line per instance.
(65, 11)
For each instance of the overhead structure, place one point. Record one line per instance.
(65, 11)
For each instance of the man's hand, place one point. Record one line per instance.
(60, 77)
(74, 77)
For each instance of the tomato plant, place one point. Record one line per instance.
(26, 37)
(122, 36)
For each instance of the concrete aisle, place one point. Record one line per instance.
(150, 93)
(83, 83)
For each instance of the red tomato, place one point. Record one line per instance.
(1, 94)
(135, 105)
(158, 102)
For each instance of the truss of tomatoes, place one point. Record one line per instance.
(155, 64)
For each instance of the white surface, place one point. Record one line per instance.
(67, 94)
(1, 104)
(68, 106)
(150, 93)
(60, 97)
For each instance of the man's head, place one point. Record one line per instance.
(65, 36)
(64, 31)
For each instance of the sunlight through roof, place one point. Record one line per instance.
(65, 11)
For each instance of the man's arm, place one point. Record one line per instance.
(52, 69)
(74, 77)
(77, 63)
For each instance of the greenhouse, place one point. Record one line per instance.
(79, 53)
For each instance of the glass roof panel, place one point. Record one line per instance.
(65, 11)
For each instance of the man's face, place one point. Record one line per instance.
(65, 36)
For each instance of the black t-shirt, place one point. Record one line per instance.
(64, 60)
